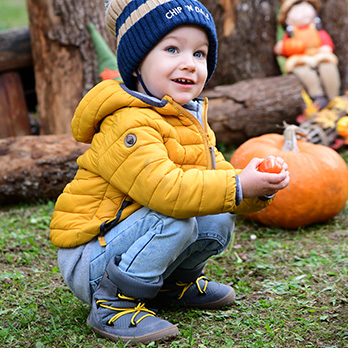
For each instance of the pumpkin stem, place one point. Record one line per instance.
(291, 134)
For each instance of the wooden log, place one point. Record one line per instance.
(36, 167)
(14, 118)
(33, 167)
(15, 49)
(253, 107)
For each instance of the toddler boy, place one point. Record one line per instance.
(153, 199)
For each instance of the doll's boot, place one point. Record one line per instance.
(190, 288)
(118, 310)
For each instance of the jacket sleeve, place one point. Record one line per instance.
(143, 170)
(221, 163)
(137, 162)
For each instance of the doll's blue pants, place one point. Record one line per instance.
(152, 245)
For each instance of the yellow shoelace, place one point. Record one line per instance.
(140, 307)
(188, 285)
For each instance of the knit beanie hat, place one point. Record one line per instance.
(138, 25)
(286, 5)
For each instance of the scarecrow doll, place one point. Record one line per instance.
(308, 50)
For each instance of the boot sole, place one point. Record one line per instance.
(160, 335)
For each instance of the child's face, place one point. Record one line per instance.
(177, 65)
(301, 14)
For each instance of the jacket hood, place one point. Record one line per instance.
(103, 100)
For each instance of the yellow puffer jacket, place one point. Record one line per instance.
(156, 155)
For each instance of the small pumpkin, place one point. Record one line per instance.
(270, 165)
(293, 46)
(318, 188)
(342, 127)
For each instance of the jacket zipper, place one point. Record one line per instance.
(203, 132)
(212, 153)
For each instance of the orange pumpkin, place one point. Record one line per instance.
(318, 188)
(293, 46)
(342, 127)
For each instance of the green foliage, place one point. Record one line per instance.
(291, 289)
(280, 59)
(343, 151)
(227, 150)
(13, 14)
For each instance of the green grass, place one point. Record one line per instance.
(13, 14)
(291, 288)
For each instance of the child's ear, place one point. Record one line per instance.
(134, 74)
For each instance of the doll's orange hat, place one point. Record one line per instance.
(286, 5)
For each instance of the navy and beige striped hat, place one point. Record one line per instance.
(138, 25)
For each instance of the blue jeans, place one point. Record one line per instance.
(151, 245)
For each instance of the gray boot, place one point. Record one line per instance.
(190, 288)
(118, 309)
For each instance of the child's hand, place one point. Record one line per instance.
(256, 184)
(278, 48)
